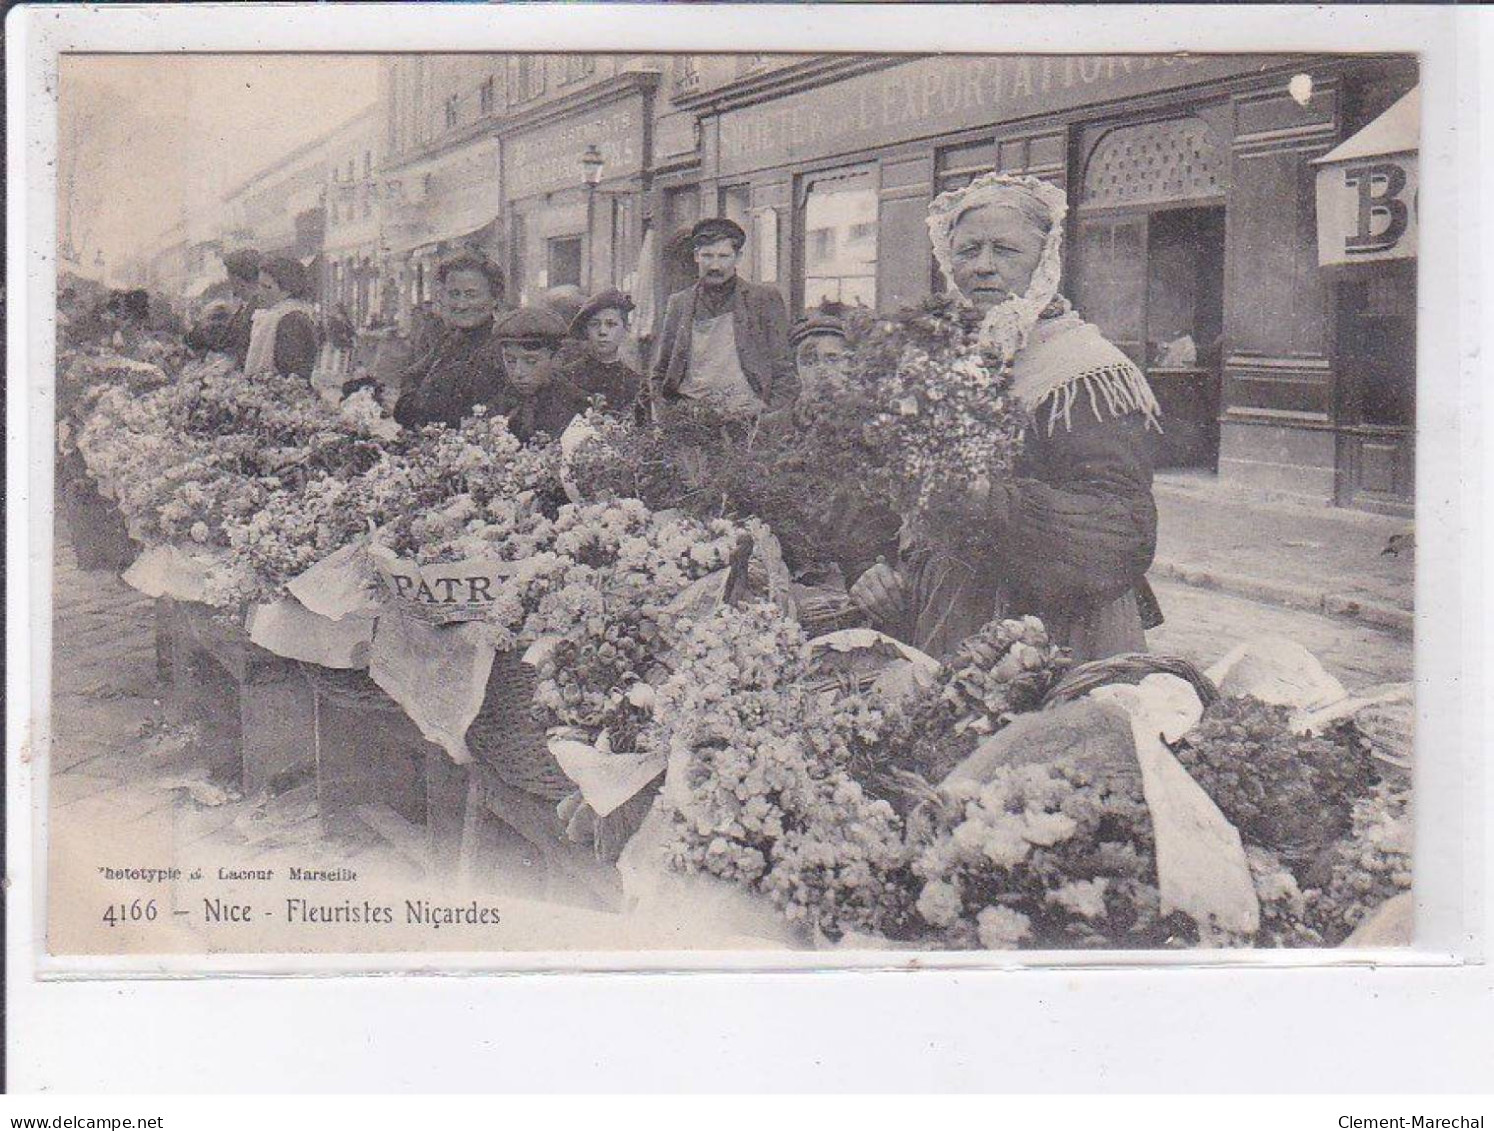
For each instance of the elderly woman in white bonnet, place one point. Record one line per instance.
(1071, 536)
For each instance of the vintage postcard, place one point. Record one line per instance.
(826, 505)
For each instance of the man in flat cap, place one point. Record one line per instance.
(725, 341)
(227, 328)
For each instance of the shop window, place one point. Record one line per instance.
(451, 115)
(578, 67)
(733, 202)
(840, 237)
(485, 96)
(765, 244)
(564, 255)
(526, 77)
(1155, 162)
(1153, 282)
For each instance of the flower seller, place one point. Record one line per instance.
(1069, 538)
(725, 341)
(538, 397)
(283, 334)
(229, 331)
(593, 363)
(461, 364)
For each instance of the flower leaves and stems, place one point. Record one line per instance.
(1289, 792)
(1003, 670)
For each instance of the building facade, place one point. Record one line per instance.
(353, 234)
(1191, 234)
(440, 180)
(1192, 238)
(280, 210)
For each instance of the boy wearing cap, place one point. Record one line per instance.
(593, 362)
(821, 352)
(538, 397)
(725, 341)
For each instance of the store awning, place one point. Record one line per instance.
(428, 225)
(1367, 190)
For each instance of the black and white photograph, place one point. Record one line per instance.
(534, 503)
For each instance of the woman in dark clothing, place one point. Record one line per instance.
(592, 363)
(1071, 536)
(229, 329)
(283, 337)
(463, 366)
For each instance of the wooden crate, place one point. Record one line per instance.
(257, 710)
(368, 752)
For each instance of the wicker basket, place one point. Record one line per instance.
(824, 613)
(351, 689)
(509, 739)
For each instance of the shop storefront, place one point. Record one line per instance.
(1192, 240)
(1367, 229)
(574, 179)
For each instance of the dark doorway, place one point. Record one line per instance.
(1377, 380)
(1153, 282)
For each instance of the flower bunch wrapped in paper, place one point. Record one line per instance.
(829, 804)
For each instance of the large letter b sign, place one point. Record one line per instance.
(1382, 213)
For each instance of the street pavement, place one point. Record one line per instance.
(1203, 624)
(1318, 558)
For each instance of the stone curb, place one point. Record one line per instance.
(1377, 613)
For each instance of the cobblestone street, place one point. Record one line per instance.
(1203, 624)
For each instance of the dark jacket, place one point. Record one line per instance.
(465, 369)
(762, 335)
(228, 335)
(614, 381)
(1069, 540)
(297, 345)
(461, 369)
(548, 410)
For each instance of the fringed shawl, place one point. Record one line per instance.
(1066, 359)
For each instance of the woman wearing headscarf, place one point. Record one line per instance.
(283, 335)
(592, 361)
(1071, 536)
